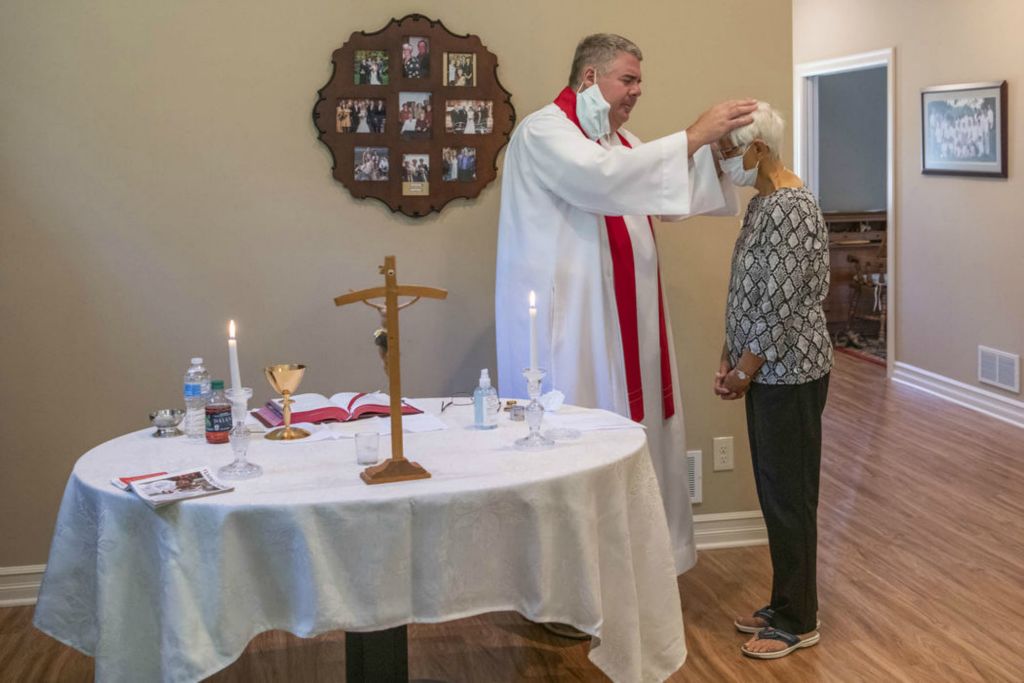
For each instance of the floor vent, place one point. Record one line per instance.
(999, 368)
(695, 475)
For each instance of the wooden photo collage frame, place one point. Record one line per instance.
(414, 115)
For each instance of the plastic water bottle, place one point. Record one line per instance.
(197, 390)
(485, 403)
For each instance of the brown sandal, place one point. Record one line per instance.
(765, 614)
(793, 643)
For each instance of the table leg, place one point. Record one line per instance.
(377, 656)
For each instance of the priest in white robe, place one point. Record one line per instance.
(577, 194)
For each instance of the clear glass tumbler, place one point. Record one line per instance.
(367, 448)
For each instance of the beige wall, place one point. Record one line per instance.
(960, 241)
(159, 173)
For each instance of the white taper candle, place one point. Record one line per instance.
(533, 330)
(236, 380)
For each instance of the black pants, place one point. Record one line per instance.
(784, 425)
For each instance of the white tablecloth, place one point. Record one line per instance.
(576, 534)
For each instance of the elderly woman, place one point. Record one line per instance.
(778, 355)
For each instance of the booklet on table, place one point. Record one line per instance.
(163, 488)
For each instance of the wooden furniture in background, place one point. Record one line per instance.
(868, 293)
(848, 239)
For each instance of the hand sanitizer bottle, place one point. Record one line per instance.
(485, 403)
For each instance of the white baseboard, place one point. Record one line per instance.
(729, 530)
(20, 585)
(980, 400)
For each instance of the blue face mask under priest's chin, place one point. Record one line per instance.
(592, 110)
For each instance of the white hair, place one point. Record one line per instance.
(767, 126)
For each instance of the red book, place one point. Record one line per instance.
(341, 407)
(124, 482)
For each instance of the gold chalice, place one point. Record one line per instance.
(285, 379)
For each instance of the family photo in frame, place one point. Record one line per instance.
(371, 67)
(415, 168)
(361, 116)
(415, 174)
(458, 164)
(459, 69)
(964, 129)
(469, 117)
(415, 115)
(416, 57)
(371, 163)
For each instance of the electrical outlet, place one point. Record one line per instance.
(723, 453)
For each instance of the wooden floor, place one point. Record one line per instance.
(921, 573)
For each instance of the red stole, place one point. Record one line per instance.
(624, 277)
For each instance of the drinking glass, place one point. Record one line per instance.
(367, 448)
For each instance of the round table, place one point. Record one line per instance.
(574, 534)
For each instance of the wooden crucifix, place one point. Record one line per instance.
(395, 468)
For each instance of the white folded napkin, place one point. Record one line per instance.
(552, 401)
(411, 424)
(590, 420)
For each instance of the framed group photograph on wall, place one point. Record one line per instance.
(361, 116)
(414, 115)
(371, 67)
(371, 164)
(469, 117)
(459, 69)
(963, 129)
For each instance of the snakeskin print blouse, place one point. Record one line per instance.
(778, 283)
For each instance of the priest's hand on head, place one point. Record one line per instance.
(721, 119)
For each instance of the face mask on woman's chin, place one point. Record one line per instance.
(592, 110)
(741, 177)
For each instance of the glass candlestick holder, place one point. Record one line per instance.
(240, 468)
(534, 413)
(239, 397)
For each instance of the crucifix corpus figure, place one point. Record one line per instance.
(395, 468)
(380, 335)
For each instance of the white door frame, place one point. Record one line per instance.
(805, 124)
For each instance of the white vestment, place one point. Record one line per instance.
(557, 186)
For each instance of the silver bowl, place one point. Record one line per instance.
(166, 422)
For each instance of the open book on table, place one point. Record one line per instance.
(341, 407)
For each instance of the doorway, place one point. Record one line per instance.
(844, 150)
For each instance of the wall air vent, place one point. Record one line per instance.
(999, 368)
(695, 475)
